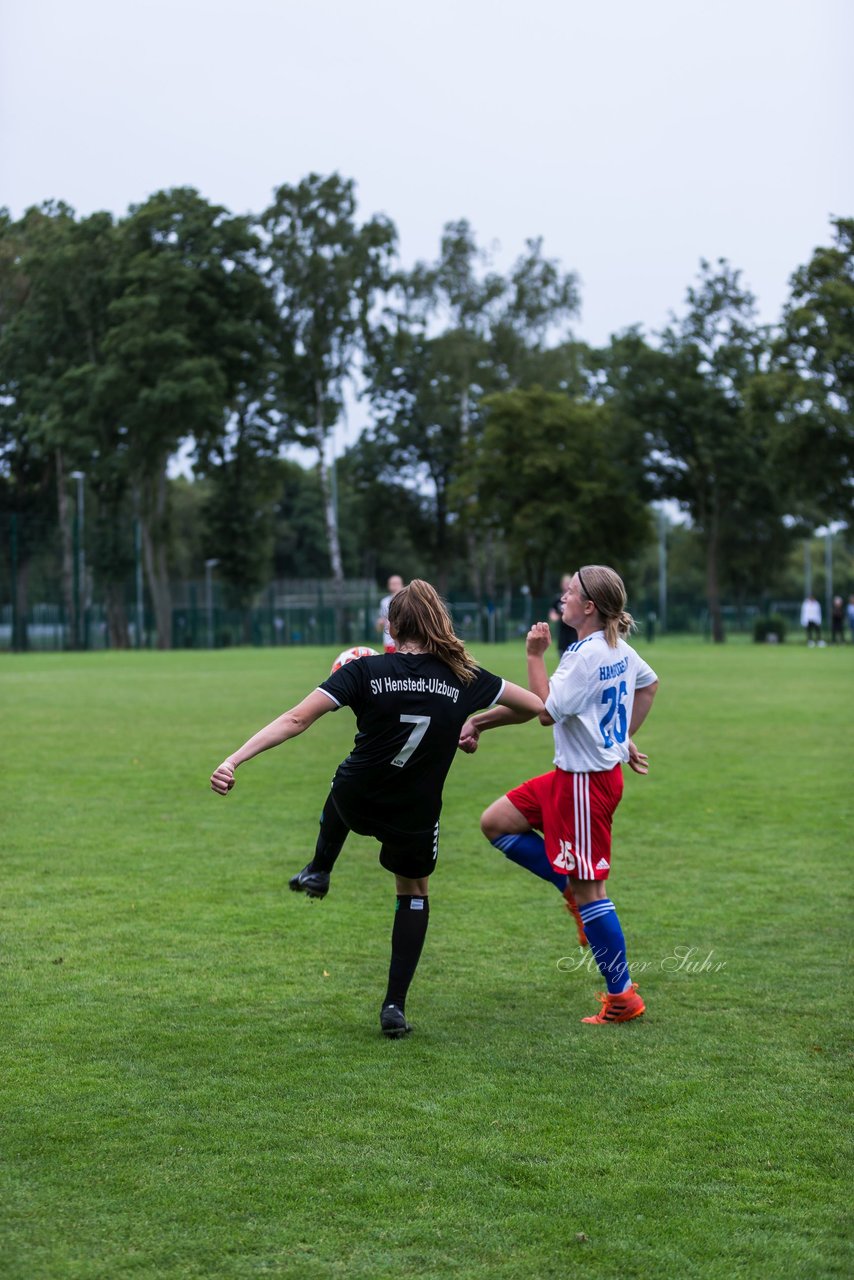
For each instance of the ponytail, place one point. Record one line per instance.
(605, 588)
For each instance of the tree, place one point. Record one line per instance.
(299, 549)
(27, 512)
(243, 474)
(56, 293)
(548, 473)
(189, 319)
(708, 438)
(189, 544)
(459, 331)
(538, 302)
(325, 272)
(24, 465)
(419, 429)
(79, 286)
(239, 513)
(813, 387)
(386, 523)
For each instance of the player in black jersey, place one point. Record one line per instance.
(410, 707)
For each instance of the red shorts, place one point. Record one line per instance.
(574, 811)
(390, 648)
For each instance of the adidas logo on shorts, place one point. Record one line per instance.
(602, 864)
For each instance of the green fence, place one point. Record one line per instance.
(284, 621)
(44, 627)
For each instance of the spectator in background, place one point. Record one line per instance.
(394, 584)
(811, 619)
(566, 635)
(849, 609)
(837, 621)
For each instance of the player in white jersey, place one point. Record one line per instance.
(395, 584)
(597, 698)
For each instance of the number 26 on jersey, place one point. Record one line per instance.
(614, 721)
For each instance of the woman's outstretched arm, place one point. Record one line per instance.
(288, 725)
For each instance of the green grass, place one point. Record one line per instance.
(194, 1084)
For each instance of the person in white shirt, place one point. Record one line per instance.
(394, 584)
(598, 697)
(811, 619)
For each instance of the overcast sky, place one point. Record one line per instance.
(635, 136)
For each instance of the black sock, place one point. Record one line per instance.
(330, 839)
(411, 917)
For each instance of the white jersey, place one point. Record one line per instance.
(591, 696)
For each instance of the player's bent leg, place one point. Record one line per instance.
(313, 880)
(418, 888)
(585, 891)
(502, 818)
(571, 897)
(602, 926)
(510, 831)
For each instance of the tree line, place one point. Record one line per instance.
(496, 443)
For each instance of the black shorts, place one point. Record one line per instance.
(414, 859)
(411, 854)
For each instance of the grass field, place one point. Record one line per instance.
(194, 1084)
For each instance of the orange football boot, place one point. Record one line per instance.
(620, 1007)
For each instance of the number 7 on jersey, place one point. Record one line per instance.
(420, 725)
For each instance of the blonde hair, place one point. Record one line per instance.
(605, 588)
(417, 614)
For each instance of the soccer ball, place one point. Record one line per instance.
(350, 655)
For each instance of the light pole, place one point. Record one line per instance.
(209, 565)
(662, 568)
(140, 608)
(80, 563)
(807, 568)
(828, 575)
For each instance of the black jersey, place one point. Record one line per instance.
(566, 635)
(409, 710)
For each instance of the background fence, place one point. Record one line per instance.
(38, 612)
(308, 616)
